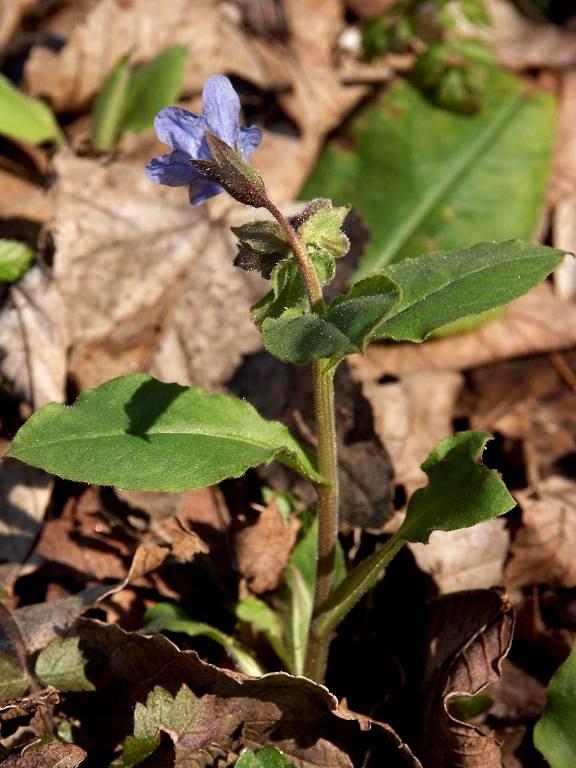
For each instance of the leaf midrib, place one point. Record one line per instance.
(459, 166)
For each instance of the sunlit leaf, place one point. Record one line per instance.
(110, 106)
(62, 664)
(24, 118)
(269, 757)
(554, 732)
(15, 258)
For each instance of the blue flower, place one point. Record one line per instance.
(184, 132)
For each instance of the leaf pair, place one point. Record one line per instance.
(409, 300)
(130, 99)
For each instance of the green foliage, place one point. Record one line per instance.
(554, 732)
(14, 681)
(425, 179)
(165, 617)
(177, 716)
(269, 757)
(62, 664)
(130, 99)
(254, 611)
(26, 119)
(15, 258)
(411, 299)
(461, 492)
(139, 433)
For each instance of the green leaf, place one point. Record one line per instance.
(269, 757)
(439, 288)
(139, 433)
(165, 617)
(63, 665)
(152, 87)
(409, 300)
(15, 258)
(177, 716)
(461, 491)
(110, 106)
(554, 732)
(14, 681)
(322, 231)
(24, 118)
(425, 179)
(344, 329)
(255, 611)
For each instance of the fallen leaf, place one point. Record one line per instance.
(564, 237)
(33, 339)
(24, 496)
(471, 558)
(294, 714)
(469, 634)
(517, 696)
(522, 44)
(543, 548)
(563, 175)
(22, 199)
(112, 28)
(52, 755)
(135, 265)
(11, 13)
(263, 546)
(538, 322)
(411, 416)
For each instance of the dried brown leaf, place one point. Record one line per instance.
(367, 9)
(563, 177)
(538, 322)
(11, 13)
(52, 755)
(21, 199)
(296, 715)
(144, 28)
(471, 558)
(145, 278)
(263, 546)
(543, 548)
(469, 635)
(24, 496)
(33, 339)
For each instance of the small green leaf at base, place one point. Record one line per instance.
(141, 434)
(63, 665)
(110, 104)
(269, 757)
(461, 491)
(15, 258)
(24, 118)
(554, 734)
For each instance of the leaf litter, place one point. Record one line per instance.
(123, 275)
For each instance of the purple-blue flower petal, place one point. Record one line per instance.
(201, 189)
(221, 109)
(172, 169)
(250, 137)
(180, 129)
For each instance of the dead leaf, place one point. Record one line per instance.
(564, 238)
(471, 558)
(263, 546)
(33, 339)
(367, 9)
(112, 28)
(24, 496)
(22, 199)
(52, 755)
(517, 696)
(298, 716)
(412, 415)
(523, 44)
(469, 634)
(562, 183)
(543, 548)
(145, 278)
(538, 322)
(184, 544)
(11, 13)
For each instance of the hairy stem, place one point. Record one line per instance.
(323, 374)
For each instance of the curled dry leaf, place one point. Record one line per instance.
(55, 754)
(144, 278)
(24, 496)
(296, 715)
(523, 44)
(263, 546)
(21, 199)
(469, 635)
(543, 548)
(471, 558)
(33, 339)
(144, 28)
(538, 322)
(11, 13)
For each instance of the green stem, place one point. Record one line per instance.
(323, 375)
